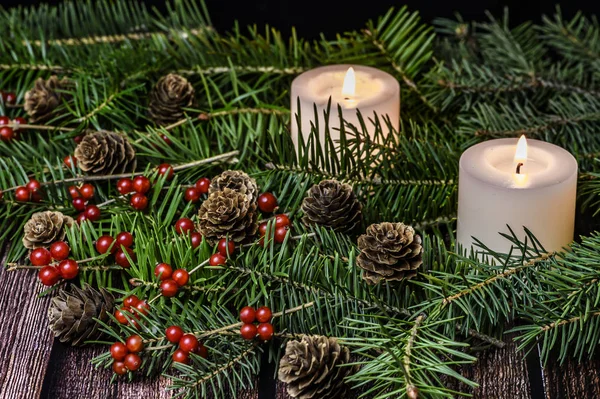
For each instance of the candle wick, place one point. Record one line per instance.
(519, 167)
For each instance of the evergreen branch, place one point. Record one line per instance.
(34, 67)
(410, 388)
(228, 365)
(561, 323)
(553, 122)
(265, 69)
(97, 109)
(23, 127)
(85, 267)
(137, 282)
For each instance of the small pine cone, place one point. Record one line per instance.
(169, 97)
(389, 251)
(43, 99)
(71, 313)
(44, 228)
(313, 368)
(227, 213)
(235, 180)
(332, 204)
(105, 153)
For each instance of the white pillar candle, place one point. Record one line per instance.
(354, 88)
(492, 195)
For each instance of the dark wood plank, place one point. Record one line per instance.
(573, 379)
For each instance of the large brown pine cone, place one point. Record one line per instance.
(236, 180)
(71, 313)
(105, 153)
(43, 99)
(169, 97)
(44, 228)
(227, 213)
(313, 368)
(389, 251)
(332, 204)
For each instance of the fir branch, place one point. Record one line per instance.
(562, 323)
(410, 388)
(34, 67)
(265, 69)
(228, 365)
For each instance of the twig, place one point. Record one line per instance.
(568, 321)
(18, 127)
(15, 266)
(243, 69)
(230, 364)
(138, 282)
(407, 354)
(96, 110)
(33, 67)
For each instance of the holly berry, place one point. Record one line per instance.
(6, 133)
(69, 269)
(79, 204)
(10, 98)
(226, 247)
(93, 213)
(281, 233)
(40, 257)
(121, 317)
(202, 185)
(77, 139)
(180, 356)
(141, 184)
(138, 201)
(163, 271)
(181, 277)
(103, 244)
(262, 229)
(174, 334)
(247, 314)
(125, 239)
(81, 218)
(184, 225)
(74, 192)
(133, 361)
(248, 331)
(192, 195)
(134, 343)
(121, 258)
(166, 139)
(265, 331)
(166, 169)
(22, 194)
(217, 259)
(202, 351)
(125, 186)
(282, 220)
(263, 314)
(60, 250)
(118, 351)
(131, 301)
(49, 275)
(169, 288)
(189, 343)
(267, 202)
(142, 307)
(119, 368)
(19, 121)
(4, 120)
(196, 239)
(87, 191)
(34, 185)
(70, 161)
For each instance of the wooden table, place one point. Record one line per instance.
(35, 365)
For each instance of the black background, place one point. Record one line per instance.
(311, 17)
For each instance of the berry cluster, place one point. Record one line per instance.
(224, 249)
(134, 306)
(8, 133)
(282, 228)
(50, 274)
(188, 343)
(249, 330)
(171, 280)
(140, 185)
(186, 226)
(126, 356)
(192, 194)
(120, 247)
(31, 192)
(80, 197)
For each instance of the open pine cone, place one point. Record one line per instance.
(235, 180)
(169, 97)
(313, 368)
(105, 153)
(71, 313)
(44, 98)
(332, 204)
(44, 228)
(389, 251)
(227, 213)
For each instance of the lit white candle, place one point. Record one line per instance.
(525, 183)
(352, 87)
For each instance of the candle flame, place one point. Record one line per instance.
(349, 87)
(521, 152)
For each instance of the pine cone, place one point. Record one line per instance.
(332, 204)
(105, 153)
(313, 368)
(44, 98)
(227, 213)
(236, 180)
(171, 94)
(71, 313)
(389, 251)
(44, 228)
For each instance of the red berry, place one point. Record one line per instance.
(133, 362)
(49, 275)
(87, 191)
(93, 213)
(121, 258)
(22, 194)
(138, 201)
(263, 314)
(134, 343)
(267, 202)
(142, 307)
(281, 233)
(163, 271)
(202, 351)
(1, 195)
(103, 244)
(19, 121)
(81, 218)
(180, 356)
(131, 301)
(121, 317)
(70, 161)
(10, 98)
(40, 257)
(74, 192)
(181, 277)
(262, 229)
(248, 314)
(79, 204)
(248, 331)
(125, 239)
(217, 259)
(169, 288)
(202, 185)
(118, 351)
(36, 196)
(191, 195)
(4, 120)
(125, 186)
(141, 184)
(166, 169)
(166, 139)
(188, 343)
(226, 247)
(184, 225)
(196, 239)
(282, 220)
(34, 185)
(265, 331)
(174, 334)
(60, 250)
(119, 368)
(69, 269)
(6, 133)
